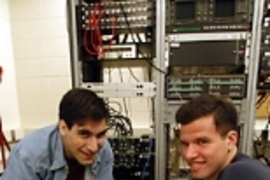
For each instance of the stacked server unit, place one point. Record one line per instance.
(110, 32)
(211, 47)
(113, 30)
(134, 157)
(208, 41)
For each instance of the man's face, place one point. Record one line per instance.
(204, 149)
(83, 141)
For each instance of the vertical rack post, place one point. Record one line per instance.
(252, 76)
(160, 159)
(71, 25)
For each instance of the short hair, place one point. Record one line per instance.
(82, 104)
(223, 111)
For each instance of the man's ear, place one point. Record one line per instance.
(62, 127)
(231, 139)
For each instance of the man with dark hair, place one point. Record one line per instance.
(75, 148)
(208, 132)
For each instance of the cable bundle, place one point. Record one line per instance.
(122, 125)
(96, 16)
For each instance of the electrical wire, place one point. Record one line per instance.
(93, 25)
(3, 144)
(121, 124)
(147, 60)
(131, 32)
(133, 75)
(124, 99)
(179, 96)
(110, 74)
(119, 105)
(148, 158)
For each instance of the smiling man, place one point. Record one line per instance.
(75, 148)
(208, 132)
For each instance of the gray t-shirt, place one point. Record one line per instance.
(244, 167)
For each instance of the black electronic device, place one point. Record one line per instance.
(133, 158)
(189, 86)
(208, 15)
(224, 8)
(207, 53)
(113, 30)
(230, 11)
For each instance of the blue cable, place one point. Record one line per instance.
(148, 158)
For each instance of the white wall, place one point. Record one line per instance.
(41, 53)
(8, 90)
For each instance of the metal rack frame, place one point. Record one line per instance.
(160, 160)
(160, 101)
(247, 139)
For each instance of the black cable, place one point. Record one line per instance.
(147, 60)
(133, 75)
(140, 52)
(116, 102)
(121, 124)
(124, 99)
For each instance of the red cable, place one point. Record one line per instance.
(94, 22)
(1, 73)
(3, 144)
(99, 47)
(85, 38)
(96, 40)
